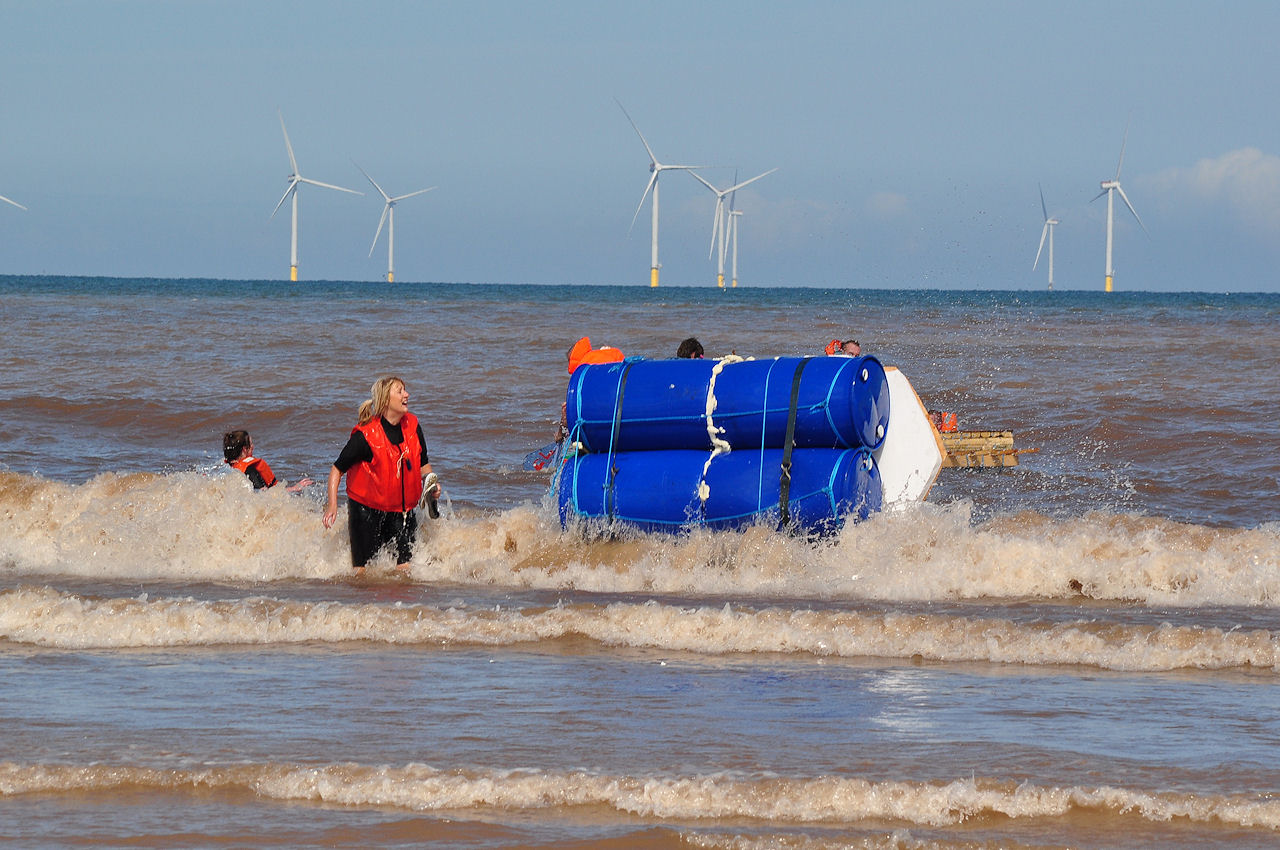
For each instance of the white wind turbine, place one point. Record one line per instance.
(1048, 231)
(294, 179)
(1109, 188)
(389, 218)
(656, 168)
(719, 227)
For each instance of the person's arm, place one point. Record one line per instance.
(331, 502)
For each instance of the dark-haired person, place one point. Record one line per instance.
(690, 349)
(237, 452)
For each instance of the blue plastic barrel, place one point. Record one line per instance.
(841, 402)
(658, 490)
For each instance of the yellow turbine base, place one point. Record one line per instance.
(1108, 283)
(653, 277)
(293, 273)
(720, 281)
(734, 285)
(391, 278)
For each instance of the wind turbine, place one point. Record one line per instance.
(656, 168)
(389, 218)
(1048, 231)
(294, 179)
(719, 227)
(15, 203)
(1109, 188)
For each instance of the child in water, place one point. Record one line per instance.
(237, 450)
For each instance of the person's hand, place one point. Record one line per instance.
(330, 515)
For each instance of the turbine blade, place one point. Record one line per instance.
(653, 179)
(293, 184)
(293, 163)
(752, 180)
(384, 195)
(1120, 189)
(704, 182)
(1043, 234)
(715, 226)
(411, 194)
(15, 203)
(653, 159)
(1043, 209)
(1099, 195)
(378, 232)
(328, 185)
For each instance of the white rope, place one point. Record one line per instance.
(718, 446)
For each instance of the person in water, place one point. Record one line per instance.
(690, 349)
(237, 451)
(385, 461)
(581, 354)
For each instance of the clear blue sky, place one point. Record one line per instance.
(909, 139)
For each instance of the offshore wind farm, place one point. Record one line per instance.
(157, 160)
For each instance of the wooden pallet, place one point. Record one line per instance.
(980, 449)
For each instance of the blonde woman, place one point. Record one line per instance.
(385, 461)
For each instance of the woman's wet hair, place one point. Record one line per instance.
(233, 443)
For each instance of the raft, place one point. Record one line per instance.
(668, 445)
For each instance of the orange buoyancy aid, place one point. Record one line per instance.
(582, 353)
(392, 481)
(259, 466)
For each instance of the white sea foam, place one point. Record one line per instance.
(196, 527)
(47, 617)
(777, 799)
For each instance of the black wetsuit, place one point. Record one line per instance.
(371, 529)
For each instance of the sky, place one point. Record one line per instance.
(912, 140)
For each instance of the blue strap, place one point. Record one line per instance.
(613, 439)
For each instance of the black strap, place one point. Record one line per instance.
(789, 443)
(613, 440)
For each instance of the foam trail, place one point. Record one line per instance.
(825, 800)
(46, 617)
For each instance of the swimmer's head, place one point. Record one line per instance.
(234, 443)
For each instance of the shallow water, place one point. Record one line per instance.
(1079, 651)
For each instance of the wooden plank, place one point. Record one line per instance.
(980, 449)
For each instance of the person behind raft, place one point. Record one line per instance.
(237, 450)
(384, 460)
(852, 348)
(690, 349)
(580, 354)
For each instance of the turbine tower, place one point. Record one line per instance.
(734, 215)
(1048, 231)
(655, 168)
(389, 218)
(15, 203)
(1109, 188)
(294, 179)
(719, 227)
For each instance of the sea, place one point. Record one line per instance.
(1079, 651)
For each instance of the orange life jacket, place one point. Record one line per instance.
(392, 481)
(260, 466)
(832, 347)
(582, 353)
